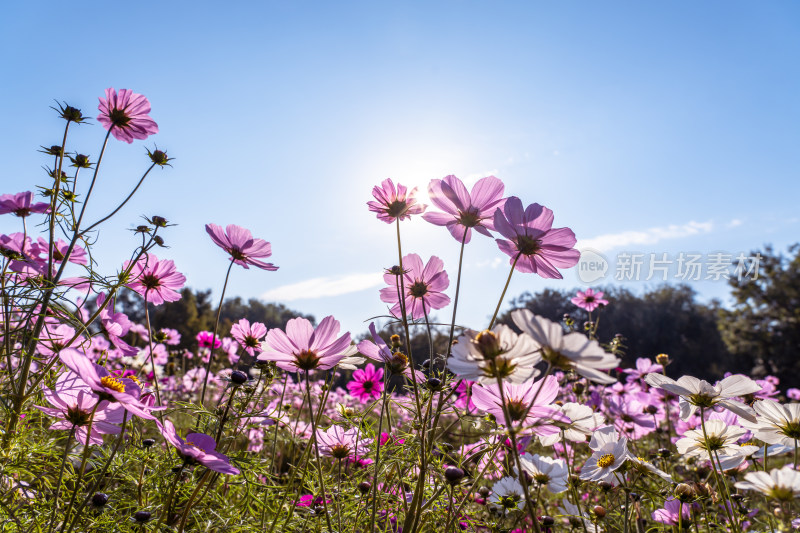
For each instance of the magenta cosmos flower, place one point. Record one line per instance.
(423, 284)
(394, 203)
(156, 280)
(21, 204)
(462, 210)
(125, 115)
(73, 403)
(126, 391)
(249, 335)
(304, 348)
(532, 241)
(366, 384)
(589, 300)
(241, 245)
(204, 339)
(198, 448)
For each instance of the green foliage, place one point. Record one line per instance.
(762, 329)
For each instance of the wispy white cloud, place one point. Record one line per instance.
(324, 286)
(611, 241)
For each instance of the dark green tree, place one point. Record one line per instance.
(762, 329)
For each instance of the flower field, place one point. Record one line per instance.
(521, 424)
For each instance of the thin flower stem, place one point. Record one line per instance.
(512, 434)
(224, 418)
(152, 357)
(102, 475)
(60, 476)
(125, 201)
(316, 453)
(275, 438)
(505, 288)
(54, 204)
(720, 485)
(339, 491)
(190, 502)
(214, 337)
(82, 468)
(166, 510)
(455, 302)
(489, 463)
(378, 453)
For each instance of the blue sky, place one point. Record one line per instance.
(649, 127)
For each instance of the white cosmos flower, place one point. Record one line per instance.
(775, 423)
(571, 510)
(781, 483)
(546, 471)
(696, 393)
(508, 494)
(571, 351)
(486, 355)
(583, 422)
(719, 437)
(351, 360)
(610, 452)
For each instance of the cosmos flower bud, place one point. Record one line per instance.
(664, 452)
(159, 157)
(159, 240)
(453, 475)
(99, 500)
(157, 221)
(599, 511)
(651, 409)
(434, 383)
(69, 113)
(398, 362)
(662, 359)
(484, 491)
(142, 516)
(426, 364)
(547, 521)
(53, 150)
(395, 340)
(364, 487)
(80, 161)
(238, 377)
(148, 442)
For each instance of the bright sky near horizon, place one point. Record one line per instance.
(647, 127)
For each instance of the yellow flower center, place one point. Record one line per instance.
(112, 383)
(606, 460)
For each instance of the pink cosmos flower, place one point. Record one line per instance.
(644, 366)
(78, 255)
(21, 204)
(125, 114)
(394, 203)
(56, 337)
(156, 280)
(537, 247)
(340, 443)
(170, 336)
(519, 399)
(377, 350)
(249, 335)
(241, 245)
(303, 348)
(462, 210)
(367, 384)
(204, 339)
(669, 513)
(589, 300)
(793, 394)
(423, 285)
(73, 403)
(116, 326)
(197, 448)
(126, 391)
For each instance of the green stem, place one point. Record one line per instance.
(505, 288)
(214, 337)
(60, 476)
(316, 453)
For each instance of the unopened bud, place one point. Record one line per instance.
(662, 359)
(599, 511)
